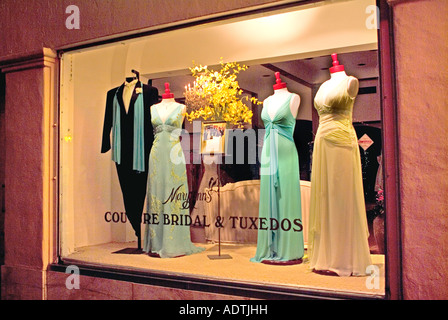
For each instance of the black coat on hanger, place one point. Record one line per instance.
(132, 183)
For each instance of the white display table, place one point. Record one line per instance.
(239, 209)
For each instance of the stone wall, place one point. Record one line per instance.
(421, 51)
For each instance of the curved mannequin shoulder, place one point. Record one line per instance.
(184, 111)
(294, 104)
(352, 86)
(336, 78)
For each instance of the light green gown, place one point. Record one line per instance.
(169, 235)
(279, 190)
(338, 232)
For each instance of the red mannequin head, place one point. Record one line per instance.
(278, 82)
(336, 66)
(167, 94)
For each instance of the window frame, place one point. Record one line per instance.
(393, 277)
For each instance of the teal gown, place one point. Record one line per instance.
(168, 233)
(280, 236)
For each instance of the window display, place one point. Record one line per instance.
(253, 181)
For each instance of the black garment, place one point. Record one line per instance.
(133, 187)
(132, 183)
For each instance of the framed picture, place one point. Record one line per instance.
(213, 137)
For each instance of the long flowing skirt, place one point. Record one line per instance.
(168, 233)
(338, 231)
(286, 230)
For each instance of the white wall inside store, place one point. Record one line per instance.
(89, 183)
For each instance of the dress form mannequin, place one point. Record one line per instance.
(337, 74)
(281, 93)
(168, 240)
(168, 104)
(279, 180)
(338, 229)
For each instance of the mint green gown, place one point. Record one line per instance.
(169, 234)
(280, 235)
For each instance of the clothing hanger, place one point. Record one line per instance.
(137, 76)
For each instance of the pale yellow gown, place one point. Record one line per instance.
(338, 231)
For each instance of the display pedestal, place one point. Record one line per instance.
(219, 256)
(282, 263)
(129, 251)
(137, 250)
(326, 273)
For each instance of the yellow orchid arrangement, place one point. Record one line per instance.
(216, 95)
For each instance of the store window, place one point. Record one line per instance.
(153, 198)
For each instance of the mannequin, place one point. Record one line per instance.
(124, 102)
(280, 198)
(281, 93)
(167, 239)
(338, 231)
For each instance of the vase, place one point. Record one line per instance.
(378, 232)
